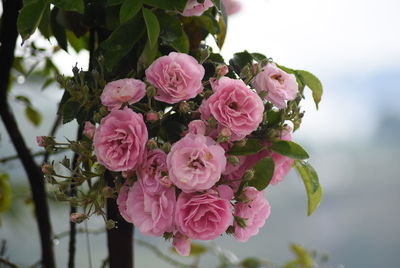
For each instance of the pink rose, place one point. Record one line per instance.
(120, 140)
(151, 214)
(234, 173)
(89, 129)
(279, 86)
(234, 106)
(197, 127)
(231, 6)
(194, 8)
(121, 91)
(177, 77)
(182, 244)
(195, 163)
(254, 211)
(283, 164)
(202, 216)
(152, 171)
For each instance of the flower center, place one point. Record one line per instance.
(278, 78)
(234, 106)
(196, 163)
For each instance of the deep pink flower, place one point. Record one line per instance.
(195, 163)
(254, 211)
(177, 77)
(121, 91)
(152, 214)
(152, 171)
(120, 140)
(89, 129)
(278, 85)
(234, 106)
(194, 8)
(202, 216)
(40, 140)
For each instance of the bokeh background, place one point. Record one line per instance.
(354, 48)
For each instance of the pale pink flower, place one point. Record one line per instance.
(231, 6)
(177, 77)
(89, 129)
(152, 170)
(182, 244)
(278, 85)
(120, 140)
(77, 217)
(234, 106)
(225, 192)
(254, 211)
(195, 163)
(152, 214)
(197, 127)
(121, 91)
(194, 8)
(202, 216)
(283, 164)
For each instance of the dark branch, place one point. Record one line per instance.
(8, 37)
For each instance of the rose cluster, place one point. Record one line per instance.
(192, 188)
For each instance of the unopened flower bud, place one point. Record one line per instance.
(166, 147)
(103, 111)
(221, 70)
(107, 192)
(47, 169)
(40, 140)
(241, 143)
(77, 217)
(230, 230)
(89, 129)
(110, 224)
(184, 107)
(151, 144)
(248, 175)
(234, 160)
(212, 123)
(127, 174)
(151, 91)
(151, 116)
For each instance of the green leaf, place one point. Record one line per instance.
(76, 43)
(5, 192)
(252, 146)
(251, 263)
(240, 60)
(289, 149)
(147, 57)
(121, 41)
(24, 99)
(314, 84)
(129, 9)
(48, 82)
(44, 26)
(70, 5)
(311, 182)
(152, 25)
(172, 32)
(195, 250)
(33, 115)
(304, 259)
(113, 2)
(217, 4)
(223, 25)
(30, 16)
(168, 5)
(59, 31)
(258, 56)
(263, 173)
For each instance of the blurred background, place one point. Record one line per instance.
(353, 139)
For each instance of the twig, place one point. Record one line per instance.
(52, 133)
(8, 38)
(16, 157)
(7, 262)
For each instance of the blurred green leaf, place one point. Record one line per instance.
(251, 263)
(263, 172)
(5, 192)
(30, 16)
(304, 260)
(70, 5)
(223, 25)
(217, 4)
(33, 115)
(168, 5)
(311, 182)
(289, 149)
(44, 25)
(24, 99)
(113, 2)
(252, 146)
(129, 9)
(195, 250)
(314, 84)
(152, 25)
(48, 82)
(59, 31)
(76, 43)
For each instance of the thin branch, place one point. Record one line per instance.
(7, 262)
(52, 133)
(8, 38)
(16, 157)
